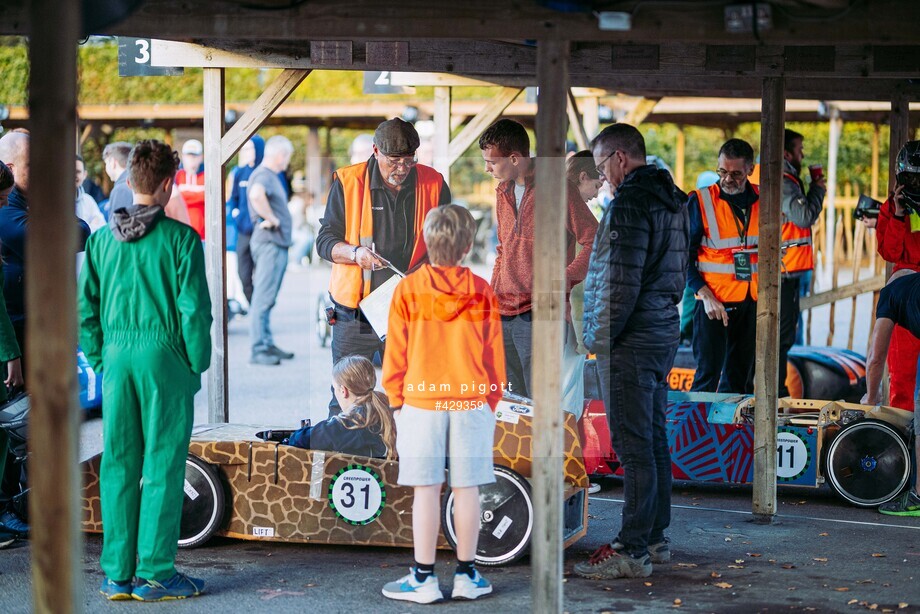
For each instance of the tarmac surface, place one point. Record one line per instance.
(819, 555)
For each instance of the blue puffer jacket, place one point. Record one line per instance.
(638, 266)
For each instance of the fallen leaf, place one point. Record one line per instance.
(852, 601)
(678, 602)
(688, 565)
(607, 588)
(739, 561)
(888, 610)
(384, 565)
(728, 539)
(864, 582)
(788, 566)
(606, 612)
(715, 574)
(753, 554)
(728, 526)
(736, 566)
(842, 589)
(873, 606)
(791, 588)
(694, 504)
(903, 605)
(771, 560)
(722, 585)
(647, 583)
(309, 585)
(820, 559)
(823, 534)
(878, 555)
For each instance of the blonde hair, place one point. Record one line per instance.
(448, 232)
(357, 374)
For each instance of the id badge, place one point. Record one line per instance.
(743, 269)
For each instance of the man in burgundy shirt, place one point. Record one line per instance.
(506, 151)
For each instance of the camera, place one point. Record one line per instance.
(866, 207)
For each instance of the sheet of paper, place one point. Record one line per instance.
(376, 306)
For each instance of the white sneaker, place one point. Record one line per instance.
(408, 588)
(470, 588)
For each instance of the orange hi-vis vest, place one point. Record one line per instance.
(796, 258)
(350, 283)
(721, 239)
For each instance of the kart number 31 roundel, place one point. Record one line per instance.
(357, 494)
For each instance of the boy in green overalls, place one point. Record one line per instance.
(145, 318)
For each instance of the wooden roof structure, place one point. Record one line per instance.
(812, 49)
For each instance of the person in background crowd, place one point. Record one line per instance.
(86, 207)
(145, 320)
(251, 155)
(688, 302)
(190, 183)
(898, 233)
(637, 273)
(375, 206)
(12, 527)
(723, 274)
(579, 170)
(898, 305)
(800, 212)
(506, 152)
(271, 238)
(115, 156)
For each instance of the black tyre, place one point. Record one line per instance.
(323, 331)
(203, 503)
(867, 463)
(506, 519)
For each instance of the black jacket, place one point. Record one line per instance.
(333, 435)
(639, 264)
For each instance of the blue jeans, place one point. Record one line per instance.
(635, 391)
(270, 263)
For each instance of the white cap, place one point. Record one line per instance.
(193, 147)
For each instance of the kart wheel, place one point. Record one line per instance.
(203, 503)
(867, 463)
(323, 331)
(506, 519)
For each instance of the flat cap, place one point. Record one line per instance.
(396, 137)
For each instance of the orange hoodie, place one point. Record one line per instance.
(444, 341)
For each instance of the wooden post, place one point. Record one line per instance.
(576, 122)
(900, 133)
(833, 147)
(216, 244)
(681, 158)
(873, 191)
(548, 322)
(54, 421)
(442, 100)
(314, 167)
(589, 115)
(766, 371)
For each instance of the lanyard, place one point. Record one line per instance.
(742, 232)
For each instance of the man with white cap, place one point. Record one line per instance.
(376, 206)
(190, 182)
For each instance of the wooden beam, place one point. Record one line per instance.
(766, 370)
(480, 122)
(876, 133)
(54, 420)
(575, 121)
(215, 214)
(247, 125)
(849, 291)
(899, 134)
(589, 110)
(833, 149)
(315, 169)
(442, 100)
(548, 322)
(639, 112)
(680, 158)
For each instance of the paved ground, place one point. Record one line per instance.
(819, 555)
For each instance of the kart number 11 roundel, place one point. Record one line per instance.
(357, 494)
(792, 456)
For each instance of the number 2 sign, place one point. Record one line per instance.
(357, 494)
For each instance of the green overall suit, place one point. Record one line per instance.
(9, 349)
(145, 319)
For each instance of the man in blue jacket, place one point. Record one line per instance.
(634, 283)
(238, 207)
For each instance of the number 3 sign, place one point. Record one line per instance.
(134, 59)
(357, 494)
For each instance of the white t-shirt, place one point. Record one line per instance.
(518, 193)
(88, 211)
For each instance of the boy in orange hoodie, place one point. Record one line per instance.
(444, 372)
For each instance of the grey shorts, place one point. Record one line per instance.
(426, 438)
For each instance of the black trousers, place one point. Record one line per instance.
(352, 335)
(725, 354)
(788, 322)
(245, 263)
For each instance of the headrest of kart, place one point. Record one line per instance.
(15, 412)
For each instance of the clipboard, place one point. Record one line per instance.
(376, 305)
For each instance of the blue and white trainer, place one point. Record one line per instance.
(116, 591)
(408, 588)
(466, 587)
(179, 586)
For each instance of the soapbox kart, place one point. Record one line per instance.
(812, 373)
(861, 451)
(242, 482)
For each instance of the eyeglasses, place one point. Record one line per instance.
(599, 169)
(735, 175)
(402, 161)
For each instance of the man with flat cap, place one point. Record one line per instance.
(377, 206)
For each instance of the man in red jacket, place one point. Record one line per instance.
(506, 151)
(898, 233)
